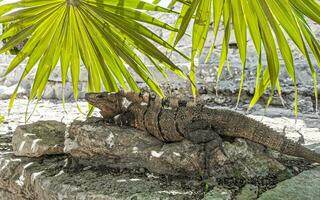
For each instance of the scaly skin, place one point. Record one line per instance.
(197, 123)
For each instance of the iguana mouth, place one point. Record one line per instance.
(91, 97)
(96, 98)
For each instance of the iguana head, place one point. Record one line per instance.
(110, 104)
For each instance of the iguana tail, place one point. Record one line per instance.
(237, 125)
(293, 148)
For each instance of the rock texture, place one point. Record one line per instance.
(39, 139)
(218, 193)
(94, 143)
(110, 162)
(246, 161)
(305, 186)
(47, 178)
(50, 178)
(248, 192)
(123, 147)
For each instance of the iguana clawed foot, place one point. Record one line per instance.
(210, 149)
(201, 133)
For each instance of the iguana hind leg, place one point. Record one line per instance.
(210, 146)
(201, 133)
(209, 149)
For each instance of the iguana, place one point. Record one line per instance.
(173, 120)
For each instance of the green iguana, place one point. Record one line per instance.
(173, 120)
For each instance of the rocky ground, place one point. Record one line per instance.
(254, 173)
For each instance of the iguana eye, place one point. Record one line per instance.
(99, 96)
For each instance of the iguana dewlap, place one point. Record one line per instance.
(197, 123)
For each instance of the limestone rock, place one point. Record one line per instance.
(6, 92)
(5, 143)
(246, 160)
(49, 92)
(95, 142)
(248, 192)
(50, 178)
(116, 186)
(39, 138)
(5, 195)
(305, 186)
(218, 193)
(68, 91)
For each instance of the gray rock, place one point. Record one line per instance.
(248, 192)
(94, 142)
(92, 184)
(68, 91)
(122, 147)
(218, 193)
(39, 138)
(5, 195)
(5, 143)
(305, 104)
(49, 92)
(49, 178)
(246, 160)
(12, 78)
(6, 92)
(305, 186)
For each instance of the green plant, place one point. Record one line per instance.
(15, 50)
(271, 23)
(105, 35)
(2, 119)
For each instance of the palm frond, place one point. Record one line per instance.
(103, 35)
(271, 23)
(2, 119)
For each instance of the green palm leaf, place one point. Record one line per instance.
(2, 119)
(106, 36)
(270, 24)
